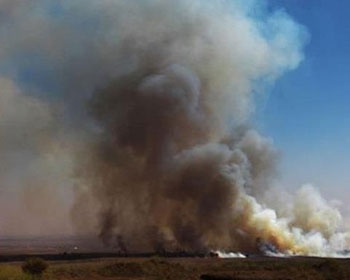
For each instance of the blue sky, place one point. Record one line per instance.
(307, 112)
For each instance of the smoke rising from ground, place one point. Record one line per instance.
(148, 106)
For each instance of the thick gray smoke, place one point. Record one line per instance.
(172, 156)
(148, 103)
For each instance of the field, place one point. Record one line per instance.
(158, 268)
(71, 258)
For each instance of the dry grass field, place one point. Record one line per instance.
(157, 268)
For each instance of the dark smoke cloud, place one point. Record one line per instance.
(141, 109)
(166, 157)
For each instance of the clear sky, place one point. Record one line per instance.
(307, 112)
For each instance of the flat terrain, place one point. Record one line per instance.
(71, 258)
(157, 268)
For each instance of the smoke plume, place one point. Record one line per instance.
(149, 105)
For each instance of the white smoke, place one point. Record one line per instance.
(230, 255)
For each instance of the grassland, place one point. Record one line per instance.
(189, 268)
